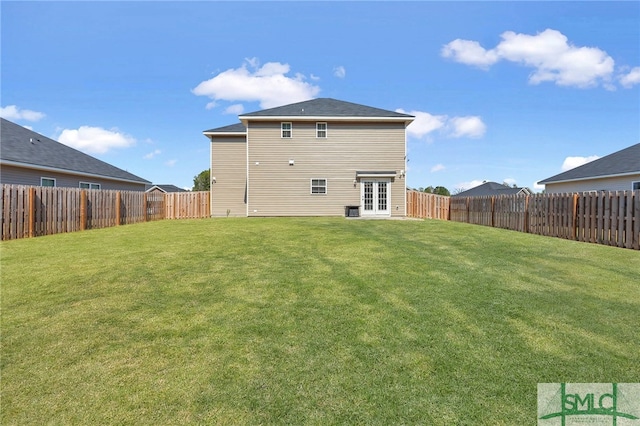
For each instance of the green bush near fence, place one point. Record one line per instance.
(308, 321)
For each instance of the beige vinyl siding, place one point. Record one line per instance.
(229, 167)
(278, 189)
(23, 176)
(620, 183)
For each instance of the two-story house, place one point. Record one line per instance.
(312, 158)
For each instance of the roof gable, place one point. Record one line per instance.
(166, 188)
(326, 107)
(28, 148)
(625, 161)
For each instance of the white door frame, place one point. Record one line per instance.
(375, 197)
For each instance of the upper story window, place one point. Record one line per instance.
(321, 130)
(89, 185)
(47, 181)
(635, 185)
(286, 129)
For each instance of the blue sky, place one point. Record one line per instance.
(502, 91)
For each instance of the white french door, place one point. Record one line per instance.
(375, 195)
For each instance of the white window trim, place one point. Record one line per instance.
(326, 186)
(55, 183)
(290, 130)
(90, 185)
(325, 130)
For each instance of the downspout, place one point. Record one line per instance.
(210, 183)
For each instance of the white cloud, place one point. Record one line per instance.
(549, 53)
(455, 127)
(12, 112)
(424, 123)
(470, 53)
(268, 85)
(235, 109)
(509, 181)
(437, 168)
(340, 72)
(573, 162)
(171, 163)
(253, 62)
(631, 78)
(152, 154)
(468, 185)
(469, 126)
(538, 187)
(95, 140)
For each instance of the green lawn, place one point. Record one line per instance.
(308, 321)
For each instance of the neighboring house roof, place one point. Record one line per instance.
(326, 107)
(492, 188)
(166, 188)
(25, 148)
(620, 163)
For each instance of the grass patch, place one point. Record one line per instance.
(308, 321)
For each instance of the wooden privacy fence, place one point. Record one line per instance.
(607, 217)
(187, 205)
(427, 206)
(33, 211)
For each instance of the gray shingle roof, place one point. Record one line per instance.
(626, 161)
(233, 128)
(166, 188)
(490, 189)
(21, 145)
(325, 107)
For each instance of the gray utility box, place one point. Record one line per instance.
(352, 211)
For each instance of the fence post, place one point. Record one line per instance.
(526, 214)
(83, 210)
(493, 211)
(117, 212)
(574, 218)
(144, 206)
(31, 216)
(636, 220)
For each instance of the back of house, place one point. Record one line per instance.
(312, 158)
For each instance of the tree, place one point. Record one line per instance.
(441, 190)
(202, 182)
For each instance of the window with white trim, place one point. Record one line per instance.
(89, 185)
(286, 129)
(44, 181)
(635, 185)
(321, 130)
(318, 186)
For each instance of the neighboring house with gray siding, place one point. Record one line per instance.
(619, 171)
(311, 158)
(29, 158)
